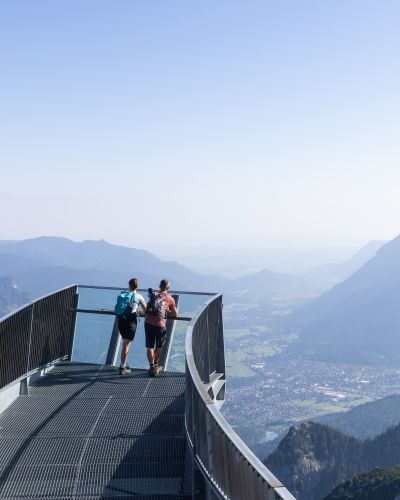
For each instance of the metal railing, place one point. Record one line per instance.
(35, 334)
(225, 468)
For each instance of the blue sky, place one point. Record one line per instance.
(251, 123)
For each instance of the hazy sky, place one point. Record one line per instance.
(247, 123)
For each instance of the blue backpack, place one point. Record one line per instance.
(123, 308)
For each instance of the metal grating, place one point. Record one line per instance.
(135, 388)
(165, 386)
(52, 451)
(87, 432)
(54, 480)
(128, 486)
(105, 472)
(8, 446)
(133, 450)
(110, 496)
(124, 426)
(147, 405)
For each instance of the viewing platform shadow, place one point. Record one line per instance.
(85, 431)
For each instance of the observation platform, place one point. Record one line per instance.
(85, 431)
(73, 428)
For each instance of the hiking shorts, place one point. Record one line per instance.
(155, 336)
(127, 327)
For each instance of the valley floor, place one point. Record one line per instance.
(284, 391)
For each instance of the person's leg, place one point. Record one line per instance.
(160, 339)
(157, 354)
(150, 344)
(127, 329)
(124, 351)
(150, 356)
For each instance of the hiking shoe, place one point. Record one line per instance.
(151, 371)
(158, 369)
(124, 371)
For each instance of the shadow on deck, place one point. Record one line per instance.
(85, 431)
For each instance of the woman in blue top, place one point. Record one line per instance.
(127, 326)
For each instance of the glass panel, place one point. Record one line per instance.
(188, 306)
(93, 331)
(92, 337)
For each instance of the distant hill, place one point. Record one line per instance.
(365, 421)
(11, 264)
(45, 263)
(314, 458)
(37, 278)
(357, 320)
(340, 271)
(378, 484)
(11, 297)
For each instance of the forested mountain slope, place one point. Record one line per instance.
(313, 458)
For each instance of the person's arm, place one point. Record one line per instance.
(172, 310)
(142, 304)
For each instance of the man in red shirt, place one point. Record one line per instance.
(159, 307)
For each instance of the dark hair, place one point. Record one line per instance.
(133, 283)
(164, 284)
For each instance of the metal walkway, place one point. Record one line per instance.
(86, 432)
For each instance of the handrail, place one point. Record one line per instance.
(41, 332)
(176, 292)
(35, 334)
(230, 469)
(110, 312)
(42, 297)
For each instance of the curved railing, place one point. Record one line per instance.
(36, 334)
(42, 332)
(228, 468)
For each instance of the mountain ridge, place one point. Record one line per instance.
(356, 320)
(377, 484)
(11, 297)
(314, 458)
(100, 260)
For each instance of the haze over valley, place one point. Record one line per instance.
(313, 345)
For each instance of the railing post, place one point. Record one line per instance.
(221, 352)
(73, 324)
(113, 347)
(206, 365)
(24, 387)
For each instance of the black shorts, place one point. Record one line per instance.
(127, 328)
(155, 336)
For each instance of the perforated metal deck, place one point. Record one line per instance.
(86, 432)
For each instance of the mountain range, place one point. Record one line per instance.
(357, 320)
(378, 484)
(313, 458)
(339, 271)
(10, 296)
(44, 264)
(365, 421)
